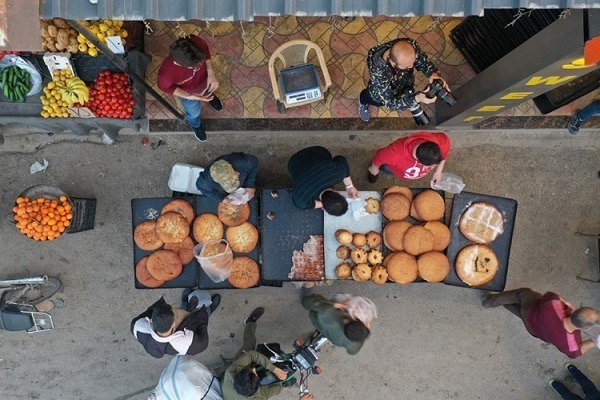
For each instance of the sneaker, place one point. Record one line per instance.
(215, 300)
(289, 383)
(372, 178)
(574, 123)
(558, 387)
(363, 111)
(255, 315)
(568, 366)
(184, 298)
(216, 103)
(200, 133)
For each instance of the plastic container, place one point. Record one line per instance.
(183, 178)
(58, 61)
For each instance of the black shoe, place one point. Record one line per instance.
(255, 315)
(574, 123)
(215, 301)
(192, 304)
(216, 103)
(200, 133)
(289, 383)
(184, 299)
(372, 178)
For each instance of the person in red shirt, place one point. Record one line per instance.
(188, 74)
(549, 318)
(412, 157)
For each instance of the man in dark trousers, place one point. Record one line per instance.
(587, 387)
(314, 172)
(391, 77)
(163, 329)
(549, 318)
(188, 74)
(227, 174)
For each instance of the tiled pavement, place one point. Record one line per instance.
(241, 53)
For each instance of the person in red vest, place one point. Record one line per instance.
(188, 74)
(412, 157)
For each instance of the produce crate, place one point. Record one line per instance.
(84, 215)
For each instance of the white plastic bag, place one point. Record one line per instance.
(217, 267)
(358, 307)
(240, 196)
(36, 77)
(450, 183)
(357, 207)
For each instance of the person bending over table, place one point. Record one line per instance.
(314, 172)
(228, 173)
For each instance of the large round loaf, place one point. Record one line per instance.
(144, 277)
(417, 240)
(481, 223)
(207, 228)
(402, 267)
(429, 205)
(243, 238)
(476, 264)
(393, 234)
(185, 249)
(441, 234)
(172, 227)
(182, 207)
(395, 206)
(244, 273)
(400, 189)
(164, 265)
(144, 236)
(232, 215)
(433, 266)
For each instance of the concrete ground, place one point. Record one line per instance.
(430, 341)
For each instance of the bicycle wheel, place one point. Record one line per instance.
(33, 294)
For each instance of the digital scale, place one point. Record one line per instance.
(300, 83)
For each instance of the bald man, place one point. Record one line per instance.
(392, 79)
(549, 318)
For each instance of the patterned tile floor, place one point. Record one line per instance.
(241, 53)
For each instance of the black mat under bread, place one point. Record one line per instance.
(501, 246)
(288, 231)
(205, 204)
(149, 208)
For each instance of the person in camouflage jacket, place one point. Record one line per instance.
(392, 79)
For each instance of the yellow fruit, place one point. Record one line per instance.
(110, 32)
(101, 37)
(51, 85)
(82, 47)
(123, 41)
(95, 29)
(123, 33)
(118, 23)
(81, 38)
(45, 114)
(103, 27)
(108, 22)
(92, 51)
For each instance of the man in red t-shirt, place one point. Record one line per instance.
(549, 317)
(188, 74)
(412, 157)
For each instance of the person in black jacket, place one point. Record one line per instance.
(228, 173)
(164, 329)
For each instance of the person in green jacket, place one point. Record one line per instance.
(337, 321)
(241, 380)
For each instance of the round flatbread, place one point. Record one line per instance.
(400, 189)
(244, 273)
(481, 223)
(185, 249)
(393, 234)
(207, 228)
(172, 227)
(143, 276)
(417, 240)
(433, 266)
(429, 205)
(476, 264)
(243, 238)
(402, 267)
(144, 236)
(441, 234)
(164, 265)
(395, 206)
(232, 215)
(182, 207)
(213, 249)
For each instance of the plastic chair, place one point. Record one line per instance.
(294, 54)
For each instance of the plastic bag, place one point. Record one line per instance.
(36, 77)
(240, 196)
(217, 267)
(450, 183)
(358, 308)
(357, 207)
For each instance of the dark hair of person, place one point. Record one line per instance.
(246, 382)
(334, 203)
(187, 53)
(356, 331)
(162, 318)
(429, 153)
(585, 317)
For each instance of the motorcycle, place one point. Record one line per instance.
(25, 302)
(299, 364)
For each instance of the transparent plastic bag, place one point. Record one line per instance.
(36, 77)
(217, 267)
(240, 196)
(357, 207)
(450, 183)
(358, 307)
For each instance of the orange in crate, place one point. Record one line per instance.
(42, 218)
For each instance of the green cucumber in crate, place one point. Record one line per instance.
(16, 83)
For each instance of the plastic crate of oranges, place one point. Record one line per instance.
(43, 218)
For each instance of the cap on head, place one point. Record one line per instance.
(225, 175)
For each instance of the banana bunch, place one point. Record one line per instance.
(75, 91)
